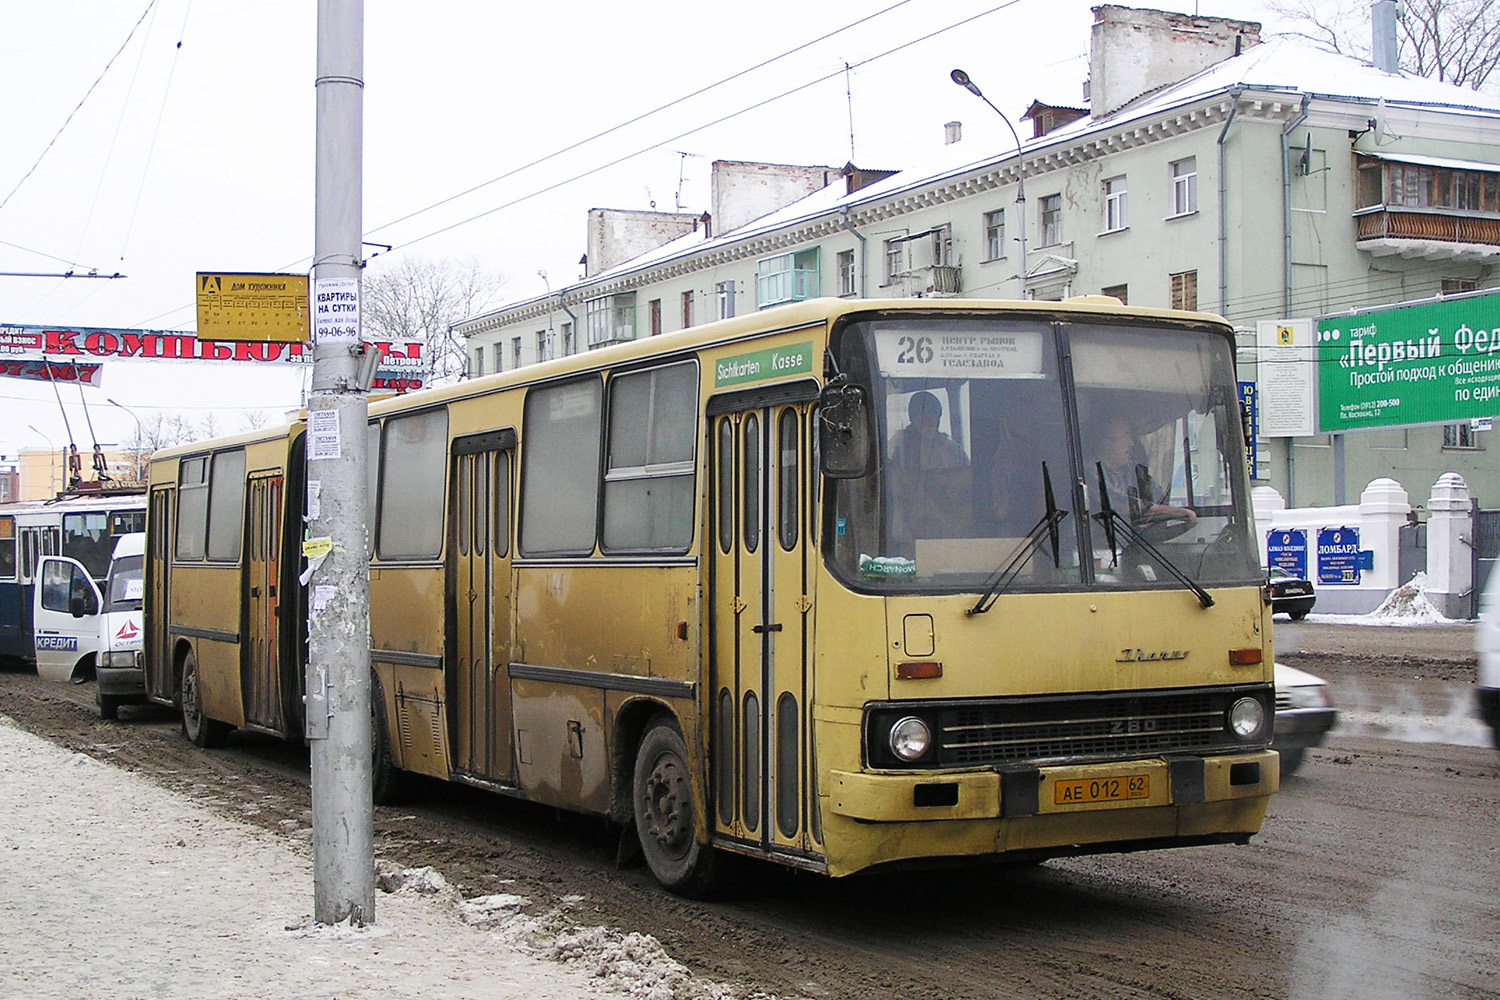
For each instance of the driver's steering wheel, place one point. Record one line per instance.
(1163, 525)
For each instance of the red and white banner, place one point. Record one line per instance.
(400, 366)
(49, 371)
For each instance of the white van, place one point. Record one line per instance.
(76, 627)
(1487, 644)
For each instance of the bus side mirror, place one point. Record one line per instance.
(844, 429)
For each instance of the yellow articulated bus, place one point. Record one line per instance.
(841, 584)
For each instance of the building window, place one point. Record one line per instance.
(1460, 436)
(687, 308)
(942, 247)
(1051, 219)
(610, 319)
(1410, 185)
(1114, 204)
(479, 361)
(541, 345)
(1185, 186)
(653, 317)
(994, 234)
(1457, 286)
(725, 292)
(1121, 292)
(515, 352)
(569, 348)
(846, 272)
(1185, 290)
(895, 256)
(790, 277)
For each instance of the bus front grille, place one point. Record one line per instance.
(1133, 725)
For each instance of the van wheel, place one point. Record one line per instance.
(197, 727)
(664, 814)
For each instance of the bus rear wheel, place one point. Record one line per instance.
(664, 814)
(197, 727)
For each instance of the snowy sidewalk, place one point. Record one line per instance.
(111, 887)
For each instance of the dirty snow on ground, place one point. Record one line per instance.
(1408, 604)
(111, 887)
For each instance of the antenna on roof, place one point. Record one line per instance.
(849, 97)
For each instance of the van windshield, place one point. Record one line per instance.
(125, 588)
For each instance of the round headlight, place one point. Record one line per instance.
(1246, 717)
(910, 738)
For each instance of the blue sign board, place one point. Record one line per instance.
(1248, 408)
(1339, 560)
(1288, 550)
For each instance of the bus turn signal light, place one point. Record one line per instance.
(1244, 657)
(919, 670)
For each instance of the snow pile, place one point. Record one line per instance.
(630, 963)
(1409, 604)
(489, 912)
(393, 878)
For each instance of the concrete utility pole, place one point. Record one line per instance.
(338, 653)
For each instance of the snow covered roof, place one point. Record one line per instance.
(1286, 65)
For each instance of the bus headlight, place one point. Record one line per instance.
(910, 738)
(1247, 717)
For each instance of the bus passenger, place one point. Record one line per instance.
(929, 475)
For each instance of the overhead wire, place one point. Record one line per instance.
(707, 125)
(102, 74)
(641, 117)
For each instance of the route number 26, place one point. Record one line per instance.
(914, 350)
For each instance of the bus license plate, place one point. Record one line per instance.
(1081, 791)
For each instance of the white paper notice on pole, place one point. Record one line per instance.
(323, 435)
(314, 499)
(322, 594)
(335, 311)
(1286, 368)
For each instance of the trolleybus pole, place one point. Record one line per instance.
(336, 547)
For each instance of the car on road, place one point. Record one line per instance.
(1304, 714)
(1290, 595)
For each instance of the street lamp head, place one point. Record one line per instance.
(961, 78)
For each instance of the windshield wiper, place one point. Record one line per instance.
(1115, 523)
(1006, 574)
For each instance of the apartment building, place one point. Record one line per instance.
(1206, 168)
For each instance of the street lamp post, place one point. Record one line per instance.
(961, 78)
(51, 458)
(140, 437)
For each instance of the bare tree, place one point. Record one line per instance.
(418, 299)
(1455, 41)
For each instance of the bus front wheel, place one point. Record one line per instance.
(664, 814)
(197, 727)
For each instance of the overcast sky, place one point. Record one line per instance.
(193, 150)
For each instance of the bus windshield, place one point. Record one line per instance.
(1094, 455)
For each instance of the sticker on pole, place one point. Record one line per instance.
(336, 311)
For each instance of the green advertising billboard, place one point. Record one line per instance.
(1434, 362)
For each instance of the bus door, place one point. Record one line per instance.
(263, 689)
(761, 627)
(479, 614)
(160, 684)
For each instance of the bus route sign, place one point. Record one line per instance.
(264, 308)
